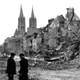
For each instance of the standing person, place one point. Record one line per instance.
(11, 67)
(23, 73)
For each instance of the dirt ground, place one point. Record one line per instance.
(39, 74)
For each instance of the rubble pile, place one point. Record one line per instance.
(61, 37)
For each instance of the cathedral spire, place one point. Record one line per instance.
(21, 22)
(32, 20)
(32, 14)
(21, 11)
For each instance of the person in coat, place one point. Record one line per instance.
(23, 73)
(11, 67)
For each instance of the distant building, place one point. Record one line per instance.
(15, 43)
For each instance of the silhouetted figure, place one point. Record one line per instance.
(23, 73)
(11, 67)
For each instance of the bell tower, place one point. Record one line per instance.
(32, 24)
(32, 20)
(21, 22)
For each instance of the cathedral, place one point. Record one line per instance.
(16, 42)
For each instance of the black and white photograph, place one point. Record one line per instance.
(39, 39)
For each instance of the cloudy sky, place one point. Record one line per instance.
(43, 10)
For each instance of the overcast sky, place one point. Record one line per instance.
(43, 10)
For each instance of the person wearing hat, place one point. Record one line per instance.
(23, 73)
(11, 67)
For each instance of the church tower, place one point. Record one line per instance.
(32, 20)
(21, 22)
(32, 24)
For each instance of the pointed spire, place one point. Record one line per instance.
(32, 14)
(21, 11)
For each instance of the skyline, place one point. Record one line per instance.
(43, 10)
